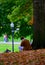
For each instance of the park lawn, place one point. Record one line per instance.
(5, 46)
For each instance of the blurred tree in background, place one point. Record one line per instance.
(18, 11)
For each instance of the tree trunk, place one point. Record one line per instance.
(39, 24)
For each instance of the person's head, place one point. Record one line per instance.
(22, 38)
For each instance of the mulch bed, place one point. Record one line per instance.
(32, 57)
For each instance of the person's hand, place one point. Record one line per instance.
(21, 48)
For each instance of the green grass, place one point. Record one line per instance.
(5, 46)
(1, 38)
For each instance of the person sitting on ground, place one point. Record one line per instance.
(25, 44)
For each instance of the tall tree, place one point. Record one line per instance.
(39, 24)
(5, 9)
(14, 11)
(22, 13)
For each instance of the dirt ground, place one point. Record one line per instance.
(32, 57)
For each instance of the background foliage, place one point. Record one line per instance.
(17, 11)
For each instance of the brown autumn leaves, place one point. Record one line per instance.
(32, 57)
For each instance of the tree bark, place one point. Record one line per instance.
(39, 24)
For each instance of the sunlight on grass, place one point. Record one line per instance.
(3, 47)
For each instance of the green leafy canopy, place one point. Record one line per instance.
(21, 10)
